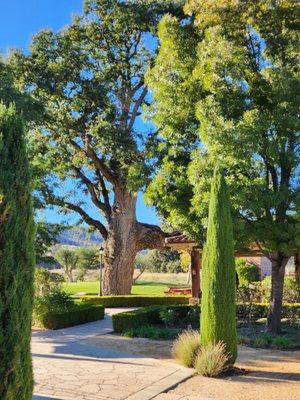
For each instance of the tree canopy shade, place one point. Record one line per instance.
(226, 89)
(218, 312)
(90, 79)
(16, 260)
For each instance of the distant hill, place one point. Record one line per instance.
(79, 237)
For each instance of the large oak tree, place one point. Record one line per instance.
(90, 79)
(226, 89)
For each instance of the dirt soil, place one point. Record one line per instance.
(272, 374)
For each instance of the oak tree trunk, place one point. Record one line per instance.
(126, 237)
(279, 261)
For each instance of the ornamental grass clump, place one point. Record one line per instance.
(212, 360)
(186, 347)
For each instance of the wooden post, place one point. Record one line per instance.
(195, 270)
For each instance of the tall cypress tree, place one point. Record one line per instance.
(218, 282)
(16, 260)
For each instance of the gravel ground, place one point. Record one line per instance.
(273, 375)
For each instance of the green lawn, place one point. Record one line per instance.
(141, 288)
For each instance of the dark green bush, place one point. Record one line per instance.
(254, 311)
(247, 272)
(78, 314)
(145, 316)
(45, 281)
(152, 332)
(184, 315)
(134, 301)
(55, 301)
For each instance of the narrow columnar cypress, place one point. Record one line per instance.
(16, 260)
(218, 309)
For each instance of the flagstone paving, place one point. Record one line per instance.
(68, 366)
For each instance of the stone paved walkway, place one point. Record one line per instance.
(67, 367)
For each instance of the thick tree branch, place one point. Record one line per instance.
(60, 202)
(88, 219)
(99, 163)
(92, 190)
(136, 107)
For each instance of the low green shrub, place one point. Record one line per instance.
(212, 360)
(168, 316)
(145, 316)
(55, 301)
(184, 315)
(263, 340)
(134, 301)
(152, 332)
(281, 342)
(186, 347)
(78, 314)
(254, 311)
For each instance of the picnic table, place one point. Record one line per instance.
(184, 291)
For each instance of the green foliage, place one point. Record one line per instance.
(247, 272)
(92, 138)
(168, 316)
(281, 342)
(68, 259)
(55, 301)
(259, 292)
(134, 301)
(186, 347)
(253, 311)
(251, 335)
(147, 316)
(16, 259)
(152, 332)
(226, 89)
(88, 258)
(212, 360)
(46, 237)
(78, 314)
(291, 290)
(10, 94)
(45, 281)
(218, 310)
(243, 87)
(160, 261)
(134, 319)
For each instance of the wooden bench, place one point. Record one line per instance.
(178, 291)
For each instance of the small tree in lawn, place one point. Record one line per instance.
(16, 260)
(68, 260)
(218, 282)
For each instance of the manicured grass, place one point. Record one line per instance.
(140, 288)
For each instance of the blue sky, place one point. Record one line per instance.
(19, 21)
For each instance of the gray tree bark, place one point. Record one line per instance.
(125, 238)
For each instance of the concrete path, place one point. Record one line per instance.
(66, 367)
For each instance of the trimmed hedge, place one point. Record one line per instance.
(150, 315)
(134, 301)
(144, 316)
(80, 314)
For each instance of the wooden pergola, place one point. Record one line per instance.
(183, 243)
